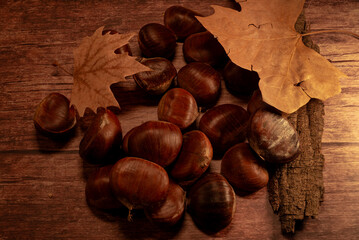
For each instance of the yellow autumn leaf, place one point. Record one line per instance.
(262, 37)
(96, 67)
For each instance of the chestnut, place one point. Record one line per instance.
(89, 115)
(211, 202)
(179, 107)
(240, 81)
(157, 81)
(157, 141)
(182, 21)
(155, 40)
(225, 125)
(243, 169)
(171, 210)
(194, 158)
(54, 115)
(138, 183)
(128, 93)
(102, 138)
(272, 137)
(98, 190)
(86, 120)
(123, 49)
(256, 102)
(204, 47)
(202, 81)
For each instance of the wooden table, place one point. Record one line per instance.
(42, 181)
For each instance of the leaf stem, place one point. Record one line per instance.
(130, 215)
(333, 31)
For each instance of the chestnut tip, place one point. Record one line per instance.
(159, 79)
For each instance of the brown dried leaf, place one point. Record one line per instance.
(262, 38)
(96, 67)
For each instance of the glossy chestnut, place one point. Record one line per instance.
(171, 211)
(54, 115)
(204, 47)
(123, 49)
(182, 21)
(102, 138)
(157, 81)
(211, 202)
(194, 158)
(272, 137)
(240, 81)
(225, 125)
(138, 183)
(243, 169)
(202, 81)
(155, 40)
(179, 107)
(98, 190)
(157, 141)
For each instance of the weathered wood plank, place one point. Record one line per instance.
(42, 182)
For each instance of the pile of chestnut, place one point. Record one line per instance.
(163, 163)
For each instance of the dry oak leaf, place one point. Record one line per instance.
(96, 67)
(262, 37)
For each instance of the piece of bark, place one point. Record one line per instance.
(295, 190)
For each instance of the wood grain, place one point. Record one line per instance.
(42, 181)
